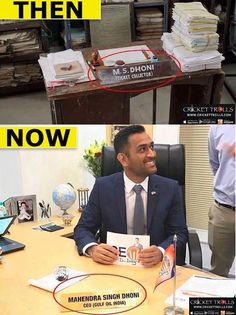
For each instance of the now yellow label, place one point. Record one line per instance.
(51, 9)
(38, 137)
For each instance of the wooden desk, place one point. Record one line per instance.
(45, 251)
(85, 103)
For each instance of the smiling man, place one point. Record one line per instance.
(135, 201)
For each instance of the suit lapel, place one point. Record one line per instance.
(153, 198)
(120, 201)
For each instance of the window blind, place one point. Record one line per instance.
(199, 177)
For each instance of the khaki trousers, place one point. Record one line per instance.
(221, 238)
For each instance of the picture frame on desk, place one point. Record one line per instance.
(24, 207)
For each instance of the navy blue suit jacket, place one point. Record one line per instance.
(106, 211)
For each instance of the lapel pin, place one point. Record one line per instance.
(153, 193)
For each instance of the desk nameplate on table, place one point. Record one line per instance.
(105, 300)
(162, 69)
(109, 292)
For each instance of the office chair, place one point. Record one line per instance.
(170, 161)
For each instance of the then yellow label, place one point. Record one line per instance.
(32, 137)
(50, 9)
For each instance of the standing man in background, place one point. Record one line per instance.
(221, 225)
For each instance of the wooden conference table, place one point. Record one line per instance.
(45, 251)
(85, 103)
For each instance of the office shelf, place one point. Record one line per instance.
(19, 63)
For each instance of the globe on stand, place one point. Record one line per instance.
(64, 197)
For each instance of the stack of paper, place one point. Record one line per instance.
(51, 64)
(191, 61)
(50, 282)
(193, 41)
(195, 27)
(198, 286)
(149, 23)
(132, 54)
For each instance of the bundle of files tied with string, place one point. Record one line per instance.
(193, 40)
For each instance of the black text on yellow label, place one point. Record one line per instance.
(50, 9)
(40, 137)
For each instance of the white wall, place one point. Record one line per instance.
(10, 174)
(26, 172)
(166, 134)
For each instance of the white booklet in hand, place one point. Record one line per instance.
(49, 282)
(129, 247)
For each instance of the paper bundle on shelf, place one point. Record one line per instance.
(12, 75)
(20, 41)
(149, 23)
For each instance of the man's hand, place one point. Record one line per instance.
(103, 253)
(150, 256)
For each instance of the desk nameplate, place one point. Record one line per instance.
(160, 70)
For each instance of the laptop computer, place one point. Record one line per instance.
(6, 244)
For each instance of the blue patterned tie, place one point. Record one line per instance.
(139, 221)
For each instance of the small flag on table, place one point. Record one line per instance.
(167, 266)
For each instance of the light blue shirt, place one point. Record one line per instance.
(222, 162)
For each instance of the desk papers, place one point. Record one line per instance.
(198, 286)
(195, 27)
(191, 61)
(47, 65)
(128, 57)
(128, 246)
(49, 282)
